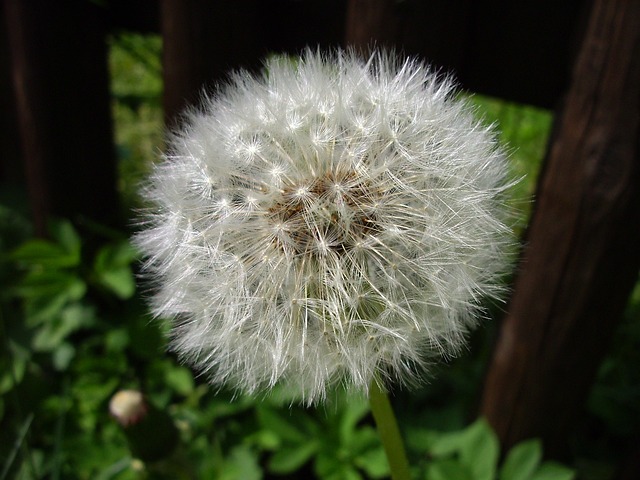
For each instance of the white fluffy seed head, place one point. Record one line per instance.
(333, 221)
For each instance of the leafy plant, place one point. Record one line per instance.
(338, 444)
(474, 452)
(55, 283)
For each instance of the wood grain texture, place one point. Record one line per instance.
(581, 257)
(61, 86)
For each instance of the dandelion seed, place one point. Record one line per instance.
(350, 238)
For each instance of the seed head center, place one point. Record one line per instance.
(329, 213)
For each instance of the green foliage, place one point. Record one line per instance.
(55, 283)
(338, 444)
(615, 398)
(136, 90)
(473, 453)
(112, 269)
(522, 461)
(54, 318)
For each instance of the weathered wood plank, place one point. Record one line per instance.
(582, 252)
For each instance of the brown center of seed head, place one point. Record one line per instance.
(330, 213)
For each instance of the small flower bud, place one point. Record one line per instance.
(127, 407)
(151, 433)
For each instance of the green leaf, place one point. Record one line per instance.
(47, 293)
(34, 462)
(480, 450)
(362, 440)
(354, 411)
(114, 470)
(265, 440)
(522, 460)
(221, 408)
(180, 379)
(90, 395)
(13, 366)
(50, 255)
(553, 471)
(290, 459)
(63, 355)
(444, 444)
(113, 271)
(8, 376)
(51, 283)
(72, 318)
(447, 469)
(67, 237)
(420, 440)
(120, 281)
(116, 340)
(347, 473)
(327, 465)
(373, 462)
(242, 463)
(45, 254)
(285, 427)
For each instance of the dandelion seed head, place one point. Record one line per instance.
(334, 221)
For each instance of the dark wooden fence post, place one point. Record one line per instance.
(60, 80)
(202, 41)
(371, 23)
(581, 257)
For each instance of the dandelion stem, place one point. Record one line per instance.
(389, 432)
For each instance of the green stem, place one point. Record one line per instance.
(389, 432)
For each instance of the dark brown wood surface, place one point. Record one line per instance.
(202, 42)
(581, 257)
(60, 81)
